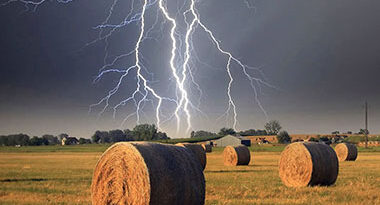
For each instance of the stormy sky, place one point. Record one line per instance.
(322, 56)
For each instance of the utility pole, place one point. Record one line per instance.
(366, 125)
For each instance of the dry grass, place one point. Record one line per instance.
(65, 178)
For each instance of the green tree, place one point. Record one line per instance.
(160, 136)
(144, 132)
(95, 138)
(50, 140)
(129, 135)
(117, 136)
(202, 133)
(283, 137)
(253, 132)
(273, 127)
(363, 131)
(226, 131)
(84, 141)
(36, 141)
(101, 137)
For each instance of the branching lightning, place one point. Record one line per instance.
(181, 65)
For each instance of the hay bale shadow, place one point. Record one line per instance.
(235, 171)
(23, 180)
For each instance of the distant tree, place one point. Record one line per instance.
(84, 141)
(3, 140)
(335, 133)
(36, 141)
(95, 138)
(363, 131)
(226, 131)
(261, 132)
(105, 137)
(192, 134)
(15, 139)
(160, 136)
(145, 132)
(50, 140)
(101, 137)
(21, 139)
(202, 133)
(117, 136)
(283, 137)
(253, 132)
(349, 132)
(273, 127)
(250, 132)
(129, 135)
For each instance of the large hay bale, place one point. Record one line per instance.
(207, 147)
(147, 173)
(238, 155)
(308, 164)
(198, 151)
(346, 152)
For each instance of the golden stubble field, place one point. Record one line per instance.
(65, 178)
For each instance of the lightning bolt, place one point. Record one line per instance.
(179, 82)
(182, 63)
(231, 102)
(142, 86)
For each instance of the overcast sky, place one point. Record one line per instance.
(322, 56)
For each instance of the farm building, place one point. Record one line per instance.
(230, 140)
(69, 141)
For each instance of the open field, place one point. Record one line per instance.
(62, 175)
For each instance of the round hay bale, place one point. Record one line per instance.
(238, 155)
(147, 173)
(207, 147)
(308, 164)
(198, 151)
(346, 152)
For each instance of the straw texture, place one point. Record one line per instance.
(238, 155)
(147, 173)
(346, 152)
(308, 164)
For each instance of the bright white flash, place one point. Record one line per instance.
(182, 62)
(231, 103)
(184, 101)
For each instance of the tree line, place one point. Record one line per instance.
(271, 128)
(143, 132)
(26, 140)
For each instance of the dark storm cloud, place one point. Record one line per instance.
(322, 55)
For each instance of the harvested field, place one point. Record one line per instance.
(65, 178)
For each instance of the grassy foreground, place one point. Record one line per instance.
(63, 176)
